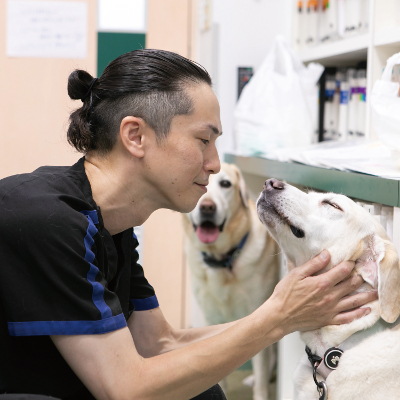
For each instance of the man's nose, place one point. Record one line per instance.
(274, 184)
(213, 165)
(208, 207)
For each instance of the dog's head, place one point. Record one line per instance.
(304, 224)
(226, 196)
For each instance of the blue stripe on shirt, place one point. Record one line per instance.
(145, 304)
(98, 288)
(92, 214)
(39, 328)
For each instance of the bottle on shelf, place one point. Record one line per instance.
(330, 123)
(362, 103)
(328, 20)
(364, 12)
(352, 16)
(300, 23)
(321, 21)
(344, 104)
(343, 108)
(353, 103)
(336, 102)
(311, 22)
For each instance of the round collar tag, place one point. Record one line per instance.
(332, 357)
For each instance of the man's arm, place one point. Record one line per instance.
(153, 335)
(111, 368)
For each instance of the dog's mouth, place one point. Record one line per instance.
(298, 232)
(208, 232)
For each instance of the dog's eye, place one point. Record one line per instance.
(225, 184)
(332, 205)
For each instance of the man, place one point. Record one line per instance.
(77, 317)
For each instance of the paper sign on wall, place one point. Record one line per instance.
(56, 29)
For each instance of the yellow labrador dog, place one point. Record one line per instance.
(359, 360)
(232, 258)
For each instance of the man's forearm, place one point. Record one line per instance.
(184, 337)
(110, 367)
(199, 365)
(153, 335)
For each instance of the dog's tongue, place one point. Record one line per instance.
(207, 233)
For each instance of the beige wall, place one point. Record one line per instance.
(34, 111)
(34, 104)
(170, 27)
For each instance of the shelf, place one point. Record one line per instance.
(387, 37)
(351, 184)
(342, 51)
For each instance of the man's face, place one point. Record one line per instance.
(180, 166)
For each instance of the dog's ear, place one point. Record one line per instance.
(389, 284)
(379, 266)
(242, 186)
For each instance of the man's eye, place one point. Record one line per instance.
(205, 141)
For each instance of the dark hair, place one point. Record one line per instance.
(149, 84)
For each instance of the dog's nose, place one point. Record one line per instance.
(273, 184)
(208, 207)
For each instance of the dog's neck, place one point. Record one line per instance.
(334, 335)
(229, 258)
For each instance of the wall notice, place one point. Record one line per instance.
(55, 29)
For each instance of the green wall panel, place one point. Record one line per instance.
(112, 44)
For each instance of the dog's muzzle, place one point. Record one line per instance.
(273, 187)
(207, 230)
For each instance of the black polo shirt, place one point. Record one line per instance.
(61, 273)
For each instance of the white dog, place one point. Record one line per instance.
(232, 259)
(305, 224)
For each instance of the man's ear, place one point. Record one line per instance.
(379, 266)
(132, 134)
(242, 186)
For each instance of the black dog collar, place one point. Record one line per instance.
(228, 259)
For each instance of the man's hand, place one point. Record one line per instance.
(310, 302)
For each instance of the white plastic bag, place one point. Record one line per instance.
(278, 107)
(385, 104)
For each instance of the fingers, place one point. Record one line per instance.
(340, 272)
(315, 264)
(358, 300)
(346, 318)
(349, 285)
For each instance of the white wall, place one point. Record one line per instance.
(122, 16)
(241, 34)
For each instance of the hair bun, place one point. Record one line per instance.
(78, 84)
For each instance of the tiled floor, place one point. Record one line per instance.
(238, 391)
